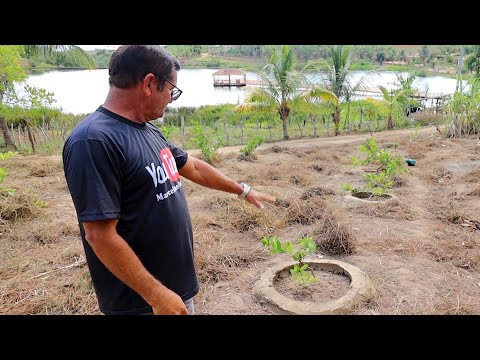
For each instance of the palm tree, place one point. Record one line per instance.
(338, 81)
(329, 98)
(405, 84)
(392, 98)
(281, 85)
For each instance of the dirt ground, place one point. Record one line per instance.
(421, 250)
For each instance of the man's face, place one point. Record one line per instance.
(163, 97)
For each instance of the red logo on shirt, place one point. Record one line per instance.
(169, 164)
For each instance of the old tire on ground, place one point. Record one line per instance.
(361, 290)
(362, 196)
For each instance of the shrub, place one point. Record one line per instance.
(380, 181)
(301, 272)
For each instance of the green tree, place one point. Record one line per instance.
(381, 57)
(424, 53)
(473, 61)
(186, 51)
(281, 85)
(76, 53)
(10, 72)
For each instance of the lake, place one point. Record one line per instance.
(82, 91)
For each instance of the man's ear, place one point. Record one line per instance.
(147, 81)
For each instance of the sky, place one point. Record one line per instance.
(93, 47)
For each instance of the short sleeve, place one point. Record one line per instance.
(179, 155)
(93, 173)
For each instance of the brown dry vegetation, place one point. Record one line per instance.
(421, 249)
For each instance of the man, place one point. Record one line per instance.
(124, 179)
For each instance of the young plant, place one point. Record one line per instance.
(205, 144)
(167, 130)
(380, 181)
(301, 273)
(251, 145)
(414, 136)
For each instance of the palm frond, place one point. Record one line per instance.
(324, 95)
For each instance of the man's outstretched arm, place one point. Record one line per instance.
(204, 174)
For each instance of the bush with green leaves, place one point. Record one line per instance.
(3, 173)
(380, 181)
(301, 273)
(167, 130)
(207, 145)
(251, 145)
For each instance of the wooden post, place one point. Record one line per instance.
(182, 129)
(13, 135)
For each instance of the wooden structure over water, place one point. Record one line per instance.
(434, 101)
(229, 77)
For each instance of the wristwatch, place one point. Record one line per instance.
(246, 190)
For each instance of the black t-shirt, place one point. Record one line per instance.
(119, 169)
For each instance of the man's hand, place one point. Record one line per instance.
(169, 303)
(254, 197)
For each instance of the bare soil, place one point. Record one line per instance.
(327, 286)
(421, 249)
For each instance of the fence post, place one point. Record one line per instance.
(13, 135)
(182, 129)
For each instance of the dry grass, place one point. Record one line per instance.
(242, 217)
(472, 176)
(220, 257)
(275, 149)
(448, 207)
(463, 254)
(46, 230)
(422, 251)
(43, 269)
(334, 235)
(438, 175)
(428, 117)
(19, 206)
(392, 209)
(46, 167)
(406, 287)
(250, 157)
(474, 192)
(316, 191)
(305, 212)
(72, 294)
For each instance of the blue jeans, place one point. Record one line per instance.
(190, 307)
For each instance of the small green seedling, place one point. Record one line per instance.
(301, 273)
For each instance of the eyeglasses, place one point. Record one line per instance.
(175, 91)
